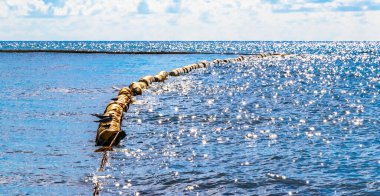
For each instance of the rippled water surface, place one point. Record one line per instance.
(306, 123)
(217, 47)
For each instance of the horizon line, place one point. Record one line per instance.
(189, 40)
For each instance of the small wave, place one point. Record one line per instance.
(285, 179)
(69, 90)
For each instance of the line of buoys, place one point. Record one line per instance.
(246, 58)
(231, 60)
(161, 76)
(109, 131)
(188, 68)
(110, 121)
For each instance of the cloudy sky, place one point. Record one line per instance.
(189, 19)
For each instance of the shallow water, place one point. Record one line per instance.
(305, 124)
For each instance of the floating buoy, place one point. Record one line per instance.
(148, 80)
(126, 91)
(217, 61)
(176, 72)
(137, 87)
(109, 130)
(161, 76)
(203, 64)
(163, 73)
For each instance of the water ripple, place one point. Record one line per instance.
(291, 125)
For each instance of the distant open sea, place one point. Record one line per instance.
(304, 124)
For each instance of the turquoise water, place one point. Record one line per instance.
(305, 124)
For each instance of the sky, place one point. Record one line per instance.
(251, 20)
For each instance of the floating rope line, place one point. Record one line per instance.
(109, 132)
(96, 189)
(104, 161)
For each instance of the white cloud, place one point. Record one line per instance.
(24, 8)
(188, 20)
(4, 9)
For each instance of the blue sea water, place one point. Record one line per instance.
(303, 124)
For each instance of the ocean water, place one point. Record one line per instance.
(303, 124)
